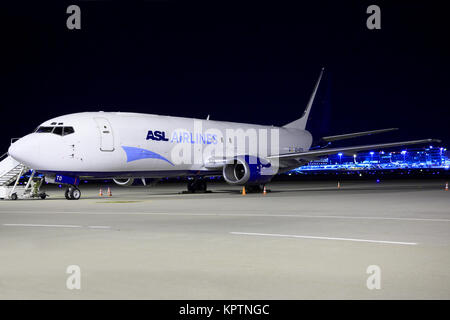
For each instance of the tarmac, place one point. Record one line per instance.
(302, 240)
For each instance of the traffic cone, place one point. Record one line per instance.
(446, 186)
(100, 193)
(243, 191)
(339, 185)
(109, 192)
(264, 190)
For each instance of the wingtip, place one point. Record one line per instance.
(433, 140)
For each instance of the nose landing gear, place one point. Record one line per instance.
(72, 193)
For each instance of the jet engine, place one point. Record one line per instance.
(125, 182)
(249, 170)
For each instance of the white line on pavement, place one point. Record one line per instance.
(52, 225)
(321, 238)
(281, 215)
(40, 225)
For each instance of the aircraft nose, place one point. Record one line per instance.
(12, 151)
(24, 150)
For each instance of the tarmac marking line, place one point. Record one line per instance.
(268, 215)
(246, 215)
(322, 238)
(52, 225)
(40, 225)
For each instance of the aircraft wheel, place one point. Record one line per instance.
(196, 186)
(43, 196)
(14, 196)
(191, 186)
(67, 194)
(75, 194)
(255, 188)
(201, 186)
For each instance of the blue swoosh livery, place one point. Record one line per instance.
(134, 154)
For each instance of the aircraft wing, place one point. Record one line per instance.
(323, 152)
(356, 134)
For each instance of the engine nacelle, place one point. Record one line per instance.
(124, 182)
(248, 170)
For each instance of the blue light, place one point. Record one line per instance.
(413, 159)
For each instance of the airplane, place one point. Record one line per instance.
(126, 146)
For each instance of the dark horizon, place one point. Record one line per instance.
(253, 63)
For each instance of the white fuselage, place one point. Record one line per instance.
(114, 144)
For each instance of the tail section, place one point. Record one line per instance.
(301, 123)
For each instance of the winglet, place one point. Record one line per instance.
(301, 122)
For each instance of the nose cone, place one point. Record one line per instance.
(24, 150)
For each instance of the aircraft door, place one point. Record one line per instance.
(106, 134)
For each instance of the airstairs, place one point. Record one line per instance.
(10, 173)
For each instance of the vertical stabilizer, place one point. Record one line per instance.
(301, 123)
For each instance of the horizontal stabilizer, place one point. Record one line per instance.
(356, 134)
(323, 152)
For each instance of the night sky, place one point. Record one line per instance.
(253, 63)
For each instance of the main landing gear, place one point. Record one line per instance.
(254, 188)
(196, 186)
(72, 193)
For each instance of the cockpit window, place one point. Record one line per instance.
(44, 130)
(60, 131)
(68, 130)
